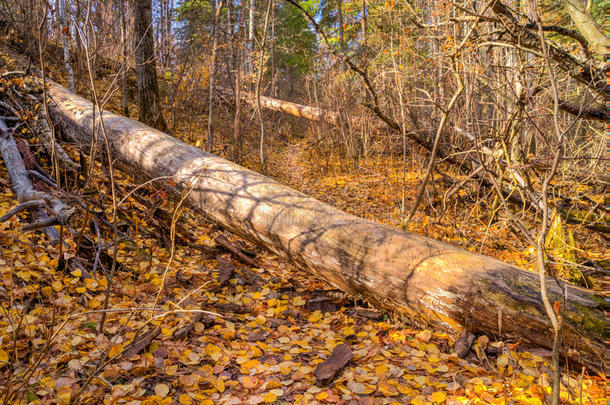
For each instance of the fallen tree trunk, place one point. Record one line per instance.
(287, 107)
(23, 187)
(426, 279)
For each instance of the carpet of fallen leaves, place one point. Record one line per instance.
(189, 323)
(270, 333)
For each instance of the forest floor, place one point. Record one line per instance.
(265, 327)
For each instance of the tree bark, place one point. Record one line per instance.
(363, 22)
(598, 42)
(212, 99)
(65, 30)
(124, 65)
(262, 147)
(249, 64)
(146, 71)
(237, 50)
(341, 25)
(428, 280)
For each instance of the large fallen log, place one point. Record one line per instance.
(423, 278)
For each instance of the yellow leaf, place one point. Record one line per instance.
(315, 317)
(381, 370)
(3, 358)
(94, 303)
(248, 382)
(46, 291)
(438, 397)
(502, 362)
(212, 350)
(115, 350)
(76, 273)
(424, 335)
(420, 380)
(269, 397)
(322, 396)
(91, 284)
(162, 390)
(404, 389)
(57, 285)
(64, 394)
(185, 399)
(219, 385)
(298, 301)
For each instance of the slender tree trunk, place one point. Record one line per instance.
(169, 46)
(340, 22)
(64, 25)
(237, 145)
(363, 22)
(212, 100)
(251, 7)
(124, 66)
(272, 50)
(262, 145)
(146, 71)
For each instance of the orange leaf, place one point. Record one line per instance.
(556, 306)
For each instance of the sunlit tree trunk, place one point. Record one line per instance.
(64, 25)
(146, 72)
(124, 66)
(212, 99)
(340, 22)
(237, 49)
(262, 145)
(251, 7)
(363, 22)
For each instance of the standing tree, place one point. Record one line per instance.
(146, 72)
(124, 65)
(65, 30)
(215, 33)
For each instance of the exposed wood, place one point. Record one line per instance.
(428, 280)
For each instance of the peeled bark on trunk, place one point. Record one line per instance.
(428, 280)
